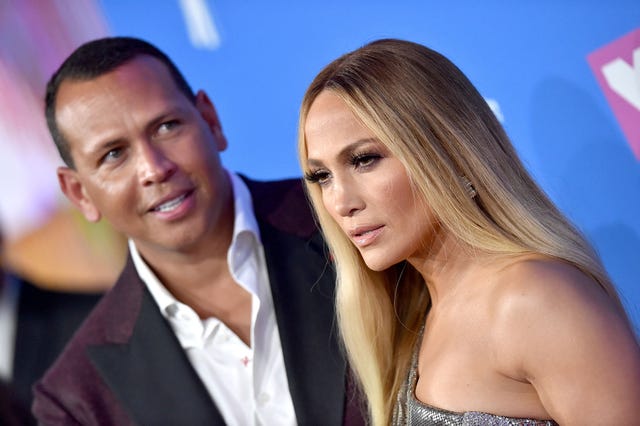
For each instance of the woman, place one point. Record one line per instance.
(464, 295)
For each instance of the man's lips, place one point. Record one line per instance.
(171, 202)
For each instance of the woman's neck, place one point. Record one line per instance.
(445, 264)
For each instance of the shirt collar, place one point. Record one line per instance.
(245, 219)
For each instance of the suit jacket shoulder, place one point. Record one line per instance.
(124, 366)
(72, 391)
(283, 205)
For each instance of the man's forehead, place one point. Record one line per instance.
(123, 85)
(142, 68)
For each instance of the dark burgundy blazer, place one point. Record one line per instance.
(125, 365)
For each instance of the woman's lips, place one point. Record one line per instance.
(365, 236)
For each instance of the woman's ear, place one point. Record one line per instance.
(74, 190)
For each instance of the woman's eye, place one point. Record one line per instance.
(365, 160)
(318, 176)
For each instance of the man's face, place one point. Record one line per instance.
(147, 158)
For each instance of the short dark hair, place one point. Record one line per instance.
(94, 59)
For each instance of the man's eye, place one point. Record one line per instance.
(166, 127)
(112, 155)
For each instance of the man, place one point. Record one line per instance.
(224, 311)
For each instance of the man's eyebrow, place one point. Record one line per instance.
(98, 149)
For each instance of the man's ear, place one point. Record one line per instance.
(75, 192)
(208, 112)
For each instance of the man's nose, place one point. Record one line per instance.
(154, 166)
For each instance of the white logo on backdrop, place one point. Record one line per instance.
(200, 25)
(495, 107)
(624, 79)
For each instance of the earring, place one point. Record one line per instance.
(469, 187)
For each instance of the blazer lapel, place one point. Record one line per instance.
(302, 285)
(152, 376)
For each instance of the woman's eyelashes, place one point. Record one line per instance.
(364, 160)
(317, 176)
(360, 162)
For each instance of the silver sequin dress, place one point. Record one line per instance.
(409, 411)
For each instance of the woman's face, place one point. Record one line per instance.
(364, 187)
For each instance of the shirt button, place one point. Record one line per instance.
(263, 398)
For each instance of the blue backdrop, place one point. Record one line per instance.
(528, 56)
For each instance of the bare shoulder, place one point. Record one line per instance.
(556, 328)
(541, 305)
(546, 287)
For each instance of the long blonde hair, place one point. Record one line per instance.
(430, 116)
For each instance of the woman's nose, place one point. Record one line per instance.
(346, 198)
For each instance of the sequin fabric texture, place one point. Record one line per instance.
(409, 411)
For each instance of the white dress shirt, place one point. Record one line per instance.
(248, 384)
